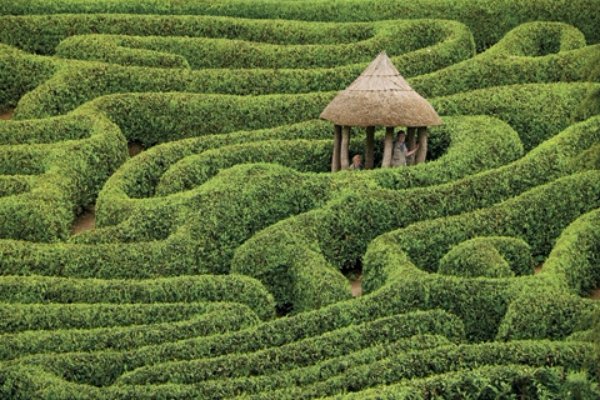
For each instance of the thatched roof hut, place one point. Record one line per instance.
(380, 96)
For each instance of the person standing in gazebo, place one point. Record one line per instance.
(356, 163)
(380, 96)
(401, 152)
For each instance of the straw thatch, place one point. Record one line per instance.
(380, 97)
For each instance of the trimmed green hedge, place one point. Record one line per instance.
(20, 74)
(298, 354)
(231, 387)
(22, 317)
(43, 33)
(281, 338)
(491, 256)
(215, 318)
(541, 312)
(488, 21)
(576, 254)
(340, 234)
(71, 158)
(396, 37)
(481, 307)
(489, 381)
(198, 288)
(79, 81)
(415, 364)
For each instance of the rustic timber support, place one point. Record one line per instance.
(422, 139)
(345, 148)
(337, 142)
(370, 148)
(388, 147)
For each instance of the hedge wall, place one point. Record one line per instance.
(492, 381)
(70, 157)
(197, 53)
(489, 21)
(342, 235)
(104, 367)
(198, 288)
(214, 319)
(79, 82)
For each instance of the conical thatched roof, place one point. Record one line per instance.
(380, 96)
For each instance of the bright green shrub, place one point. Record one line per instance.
(216, 318)
(487, 21)
(504, 381)
(71, 157)
(440, 360)
(319, 371)
(492, 256)
(297, 354)
(543, 312)
(79, 81)
(200, 288)
(576, 254)
(396, 37)
(22, 317)
(344, 232)
(20, 74)
(43, 33)
(472, 260)
(109, 364)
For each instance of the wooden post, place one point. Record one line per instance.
(337, 141)
(388, 147)
(345, 148)
(422, 152)
(411, 142)
(370, 150)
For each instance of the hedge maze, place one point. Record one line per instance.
(219, 264)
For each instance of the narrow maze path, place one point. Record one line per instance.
(86, 220)
(8, 114)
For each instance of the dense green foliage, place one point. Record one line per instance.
(220, 260)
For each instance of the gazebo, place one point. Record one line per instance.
(380, 96)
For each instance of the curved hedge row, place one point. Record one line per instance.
(43, 33)
(440, 360)
(199, 288)
(491, 256)
(397, 37)
(339, 235)
(25, 317)
(487, 21)
(189, 207)
(79, 82)
(473, 383)
(463, 134)
(297, 354)
(138, 177)
(213, 319)
(109, 365)
(70, 157)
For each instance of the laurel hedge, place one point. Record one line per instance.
(475, 383)
(70, 158)
(278, 338)
(343, 235)
(79, 82)
(159, 51)
(214, 319)
(488, 22)
(297, 354)
(199, 288)
(443, 359)
(491, 256)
